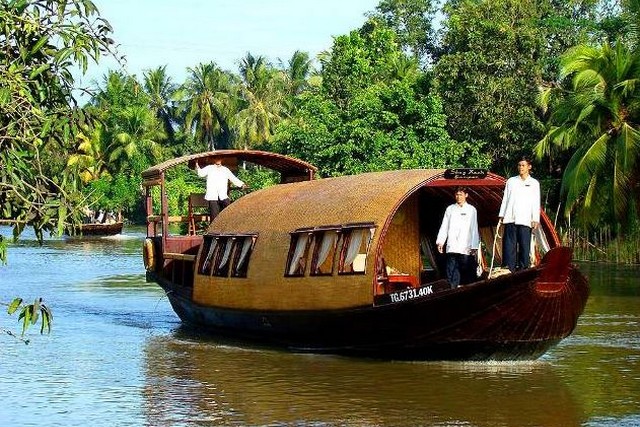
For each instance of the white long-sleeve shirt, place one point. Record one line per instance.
(521, 201)
(218, 178)
(459, 229)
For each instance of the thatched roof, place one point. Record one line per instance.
(330, 201)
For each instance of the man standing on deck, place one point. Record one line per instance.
(218, 178)
(520, 214)
(459, 229)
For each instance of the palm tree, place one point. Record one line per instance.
(297, 71)
(139, 133)
(263, 95)
(597, 117)
(90, 158)
(129, 127)
(161, 91)
(209, 104)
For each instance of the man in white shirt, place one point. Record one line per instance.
(520, 214)
(459, 229)
(218, 178)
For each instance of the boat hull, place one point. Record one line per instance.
(101, 229)
(515, 317)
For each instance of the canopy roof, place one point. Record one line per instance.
(340, 201)
(288, 167)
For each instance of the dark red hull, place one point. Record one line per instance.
(514, 317)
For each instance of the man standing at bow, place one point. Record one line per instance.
(218, 178)
(520, 214)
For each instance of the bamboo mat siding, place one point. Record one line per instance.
(401, 244)
(275, 212)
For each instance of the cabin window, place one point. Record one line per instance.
(320, 246)
(354, 248)
(220, 263)
(324, 251)
(210, 250)
(226, 255)
(298, 254)
(242, 253)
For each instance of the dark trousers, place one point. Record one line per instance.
(516, 244)
(460, 269)
(215, 206)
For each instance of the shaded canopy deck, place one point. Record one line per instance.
(290, 169)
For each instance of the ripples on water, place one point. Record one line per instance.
(118, 356)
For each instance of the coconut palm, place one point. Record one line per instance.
(90, 160)
(129, 127)
(297, 70)
(139, 133)
(209, 104)
(597, 117)
(161, 90)
(263, 93)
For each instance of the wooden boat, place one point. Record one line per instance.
(100, 229)
(346, 265)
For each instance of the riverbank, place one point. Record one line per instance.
(601, 246)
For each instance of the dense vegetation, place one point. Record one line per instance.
(494, 79)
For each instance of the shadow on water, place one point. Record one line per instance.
(193, 380)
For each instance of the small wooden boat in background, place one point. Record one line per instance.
(101, 229)
(347, 265)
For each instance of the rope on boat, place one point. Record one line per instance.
(493, 249)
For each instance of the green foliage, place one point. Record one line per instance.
(29, 314)
(594, 117)
(412, 22)
(131, 132)
(119, 193)
(375, 112)
(489, 75)
(181, 182)
(111, 154)
(359, 60)
(41, 42)
(209, 101)
(497, 54)
(263, 91)
(161, 91)
(256, 178)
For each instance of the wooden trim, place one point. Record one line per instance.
(180, 257)
(173, 218)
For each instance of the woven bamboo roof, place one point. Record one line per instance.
(330, 201)
(287, 166)
(336, 201)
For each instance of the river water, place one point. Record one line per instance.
(118, 356)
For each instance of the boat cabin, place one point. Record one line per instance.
(318, 244)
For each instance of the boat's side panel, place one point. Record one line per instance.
(268, 262)
(507, 318)
(401, 248)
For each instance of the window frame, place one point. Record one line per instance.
(303, 255)
(309, 254)
(237, 252)
(231, 245)
(319, 236)
(367, 238)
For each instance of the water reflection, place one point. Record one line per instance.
(191, 380)
(117, 356)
